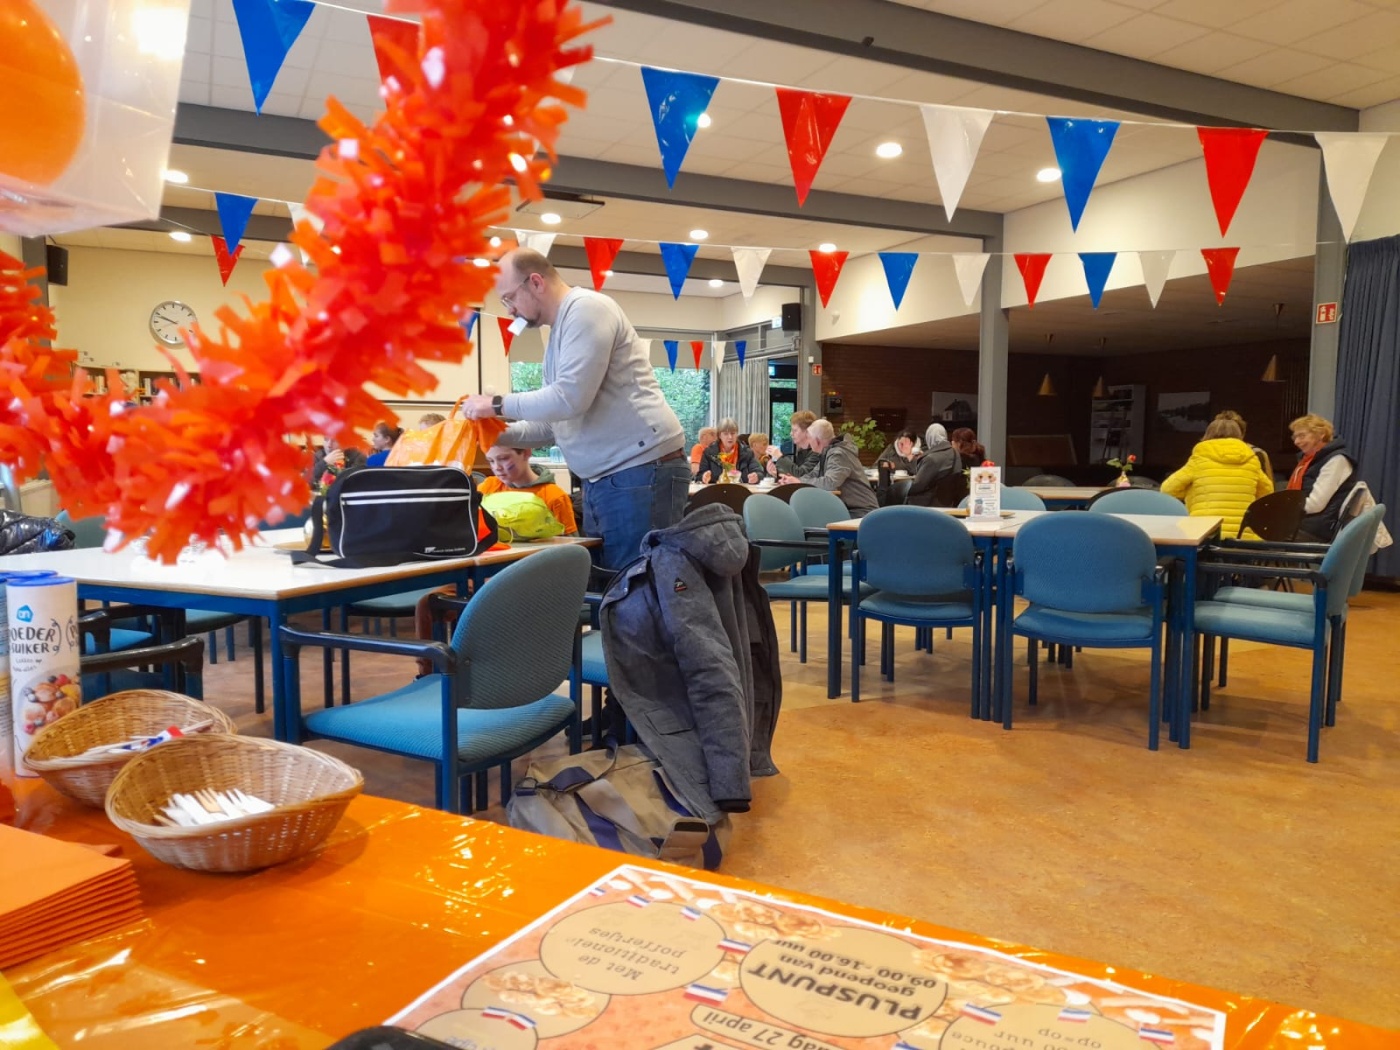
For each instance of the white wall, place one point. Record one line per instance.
(1165, 209)
(10, 244)
(861, 300)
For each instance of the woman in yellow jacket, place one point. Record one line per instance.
(1222, 477)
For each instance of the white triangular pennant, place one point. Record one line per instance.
(299, 212)
(717, 354)
(954, 137)
(540, 242)
(749, 263)
(1350, 158)
(970, 267)
(1155, 266)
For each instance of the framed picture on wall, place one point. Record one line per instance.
(960, 409)
(1185, 412)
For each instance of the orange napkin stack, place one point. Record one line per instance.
(53, 893)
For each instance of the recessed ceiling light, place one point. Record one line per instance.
(715, 282)
(888, 150)
(179, 178)
(703, 121)
(181, 236)
(1047, 174)
(551, 218)
(495, 242)
(826, 247)
(699, 235)
(481, 263)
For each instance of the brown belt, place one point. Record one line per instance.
(669, 456)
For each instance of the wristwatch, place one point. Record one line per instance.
(496, 403)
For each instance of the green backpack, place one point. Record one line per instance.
(521, 516)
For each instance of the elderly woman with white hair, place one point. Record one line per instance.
(940, 460)
(839, 469)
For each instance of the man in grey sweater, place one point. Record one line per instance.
(600, 404)
(839, 470)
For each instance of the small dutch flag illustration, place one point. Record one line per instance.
(1156, 1035)
(500, 1013)
(691, 913)
(705, 994)
(1073, 1013)
(904, 1046)
(735, 947)
(981, 1013)
(638, 901)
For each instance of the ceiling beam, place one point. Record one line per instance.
(203, 222)
(905, 36)
(247, 132)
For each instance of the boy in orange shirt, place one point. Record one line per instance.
(511, 471)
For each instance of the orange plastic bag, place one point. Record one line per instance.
(458, 441)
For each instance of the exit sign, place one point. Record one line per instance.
(1326, 313)
(816, 370)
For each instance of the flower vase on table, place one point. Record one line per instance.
(1125, 467)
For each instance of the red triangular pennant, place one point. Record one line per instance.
(1220, 264)
(227, 260)
(402, 35)
(826, 267)
(1230, 156)
(507, 336)
(697, 347)
(1032, 267)
(601, 253)
(810, 121)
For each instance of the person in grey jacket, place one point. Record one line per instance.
(940, 460)
(600, 404)
(692, 657)
(839, 469)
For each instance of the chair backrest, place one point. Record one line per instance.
(1014, 499)
(1275, 517)
(1137, 481)
(87, 532)
(1346, 558)
(950, 488)
(1137, 501)
(1049, 480)
(914, 550)
(1369, 530)
(1083, 562)
(731, 496)
(769, 518)
(816, 508)
(515, 639)
(784, 492)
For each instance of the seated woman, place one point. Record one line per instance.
(763, 452)
(940, 460)
(707, 437)
(1325, 466)
(1222, 477)
(728, 455)
(903, 453)
(382, 441)
(969, 449)
(839, 469)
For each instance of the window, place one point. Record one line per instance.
(687, 390)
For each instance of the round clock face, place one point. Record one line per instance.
(168, 318)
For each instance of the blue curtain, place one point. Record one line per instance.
(1368, 378)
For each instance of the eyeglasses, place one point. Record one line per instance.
(508, 298)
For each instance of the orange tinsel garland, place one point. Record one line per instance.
(405, 204)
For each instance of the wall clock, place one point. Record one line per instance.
(168, 318)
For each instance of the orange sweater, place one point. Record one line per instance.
(555, 498)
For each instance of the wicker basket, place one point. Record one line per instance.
(310, 791)
(113, 719)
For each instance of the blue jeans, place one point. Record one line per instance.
(623, 507)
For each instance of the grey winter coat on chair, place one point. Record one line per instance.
(692, 656)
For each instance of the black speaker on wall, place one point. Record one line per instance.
(792, 317)
(56, 262)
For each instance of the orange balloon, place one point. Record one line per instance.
(43, 110)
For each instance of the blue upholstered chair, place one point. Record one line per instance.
(1137, 501)
(1315, 621)
(176, 665)
(817, 508)
(490, 698)
(921, 569)
(1091, 581)
(1014, 499)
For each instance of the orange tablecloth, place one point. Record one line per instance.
(398, 898)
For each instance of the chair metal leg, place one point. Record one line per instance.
(792, 621)
(1224, 662)
(228, 642)
(255, 640)
(328, 665)
(1336, 653)
(483, 790)
(1207, 668)
(857, 655)
(887, 651)
(596, 716)
(930, 634)
(211, 646)
(345, 657)
(1154, 697)
(802, 638)
(1317, 700)
(1033, 659)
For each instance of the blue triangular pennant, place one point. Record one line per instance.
(740, 345)
(678, 258)
(898, 268)
(470, 323)
(1080, 149)
(1097, 266)
(676, 101)
(269, 28)
(233, 216)
(673, 347)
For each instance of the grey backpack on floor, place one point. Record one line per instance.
(618, 799)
